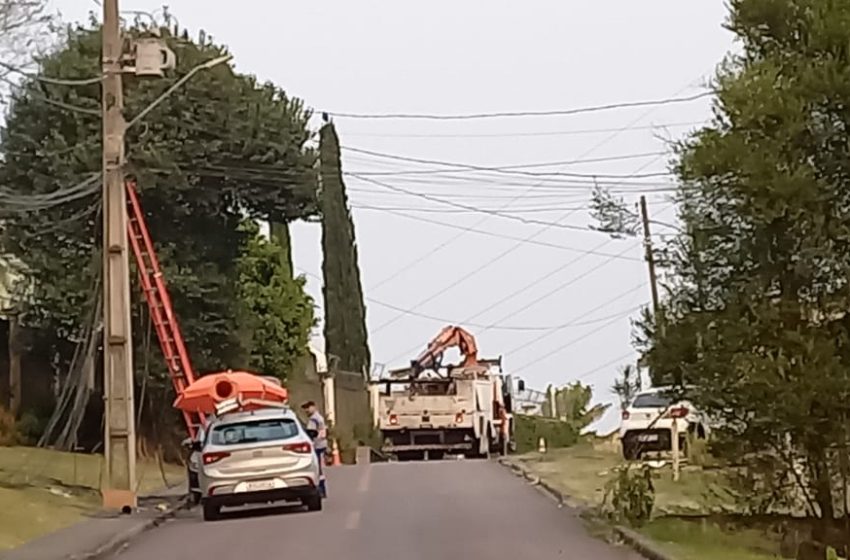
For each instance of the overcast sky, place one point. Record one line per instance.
(475, 268)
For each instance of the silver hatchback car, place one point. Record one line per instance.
(261, 456)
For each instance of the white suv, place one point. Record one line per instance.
(648, 421)
(260, 456)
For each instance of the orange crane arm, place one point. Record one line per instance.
(449, 337)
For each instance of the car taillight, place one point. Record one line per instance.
(625, 415)
(459, 417)
(678, 412)
(393, 420)
(302, 447)
(210, 458)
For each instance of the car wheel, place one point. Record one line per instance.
(212, 512)
(314, 502)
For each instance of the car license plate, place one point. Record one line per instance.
(648, 437)
(260, 485)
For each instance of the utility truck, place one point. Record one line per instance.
(429, 411)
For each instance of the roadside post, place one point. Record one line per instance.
(675, 414)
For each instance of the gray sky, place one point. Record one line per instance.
(484, 56)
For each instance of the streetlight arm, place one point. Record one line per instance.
(167, 93)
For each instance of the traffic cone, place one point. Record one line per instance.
(541, 445)
(335, 458)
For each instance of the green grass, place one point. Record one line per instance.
(582, 471)
(42, 490)
(687, 540)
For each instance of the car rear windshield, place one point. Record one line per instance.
(254, 431)
(652, 400)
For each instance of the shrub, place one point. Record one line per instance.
(630, 496)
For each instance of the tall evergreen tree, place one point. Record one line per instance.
(345, 312)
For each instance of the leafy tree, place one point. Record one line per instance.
(627, 386)
(572, 403)
(756, 314)
(218, 148)
(345, 311)
(279, 311)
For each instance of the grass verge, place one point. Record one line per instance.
(581, 472)
(43, 490)
(690, 540)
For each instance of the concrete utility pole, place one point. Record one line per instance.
(120, 429)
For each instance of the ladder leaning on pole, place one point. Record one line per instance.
(159, 305)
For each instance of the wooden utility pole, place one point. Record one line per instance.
(650, 258)
(120, 430)
(15, 385)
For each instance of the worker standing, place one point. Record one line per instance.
(316, 422)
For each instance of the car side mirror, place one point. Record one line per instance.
(521, 385)
(312, 433)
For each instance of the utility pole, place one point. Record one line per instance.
(120, 429)
(650, 262)
(650, 258)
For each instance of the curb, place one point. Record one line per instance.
(121, 540)
(641, 544)
(633, 540)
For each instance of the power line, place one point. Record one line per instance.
(510, 237)
(566, 345)
(603, 366)
(508, 114)
(444, 320)
(500, 168)
(524, 134)
(52, 81)
(478, 269)
(476, 209)
(510, 170)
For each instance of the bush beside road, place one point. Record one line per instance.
(43, 490)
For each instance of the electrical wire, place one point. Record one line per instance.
(468, 167)
(444, 320)
(509, 114)
(53, 81)
(512, 238)
(524, 134)
(510, 170)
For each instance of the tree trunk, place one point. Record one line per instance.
(15, 388)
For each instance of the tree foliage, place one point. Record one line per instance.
(627, 385)
(756, 316)
(219, 148)
(345, 310)
(279, 313)
(572, 405)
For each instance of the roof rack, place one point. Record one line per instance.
(237, 404)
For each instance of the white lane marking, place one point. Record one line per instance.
(352, 521)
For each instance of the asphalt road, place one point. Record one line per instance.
(404, 511)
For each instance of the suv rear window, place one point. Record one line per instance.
(652, 400)
(254, 431)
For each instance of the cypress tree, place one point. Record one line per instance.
(345, 311)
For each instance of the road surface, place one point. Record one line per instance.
(403, 511)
